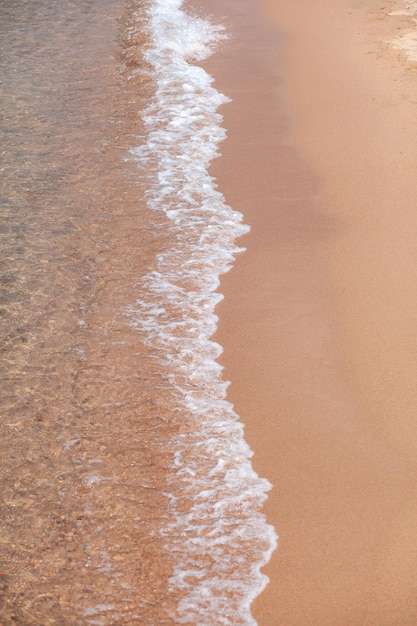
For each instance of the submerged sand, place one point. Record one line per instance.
(319, 317)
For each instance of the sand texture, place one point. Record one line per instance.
(320, 314)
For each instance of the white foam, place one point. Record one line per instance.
(407, 42)
(216, 533)
(409, 9)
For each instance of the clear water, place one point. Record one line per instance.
(129, 495)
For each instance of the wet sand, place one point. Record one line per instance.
(319, 317)
(317, 322)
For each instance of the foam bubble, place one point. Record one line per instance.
(407, 42)
(215, 531)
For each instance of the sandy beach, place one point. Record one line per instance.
(128, 493)
(319, 316)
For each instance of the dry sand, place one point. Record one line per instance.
(320, 314)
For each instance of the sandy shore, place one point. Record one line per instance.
(319, 317)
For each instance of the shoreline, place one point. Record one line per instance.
(318, 316)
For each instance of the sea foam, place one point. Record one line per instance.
(214, 531)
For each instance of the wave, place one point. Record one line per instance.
(215, 532)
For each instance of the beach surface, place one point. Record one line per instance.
(112, 478)
(319, 317)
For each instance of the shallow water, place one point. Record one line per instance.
(122, 462)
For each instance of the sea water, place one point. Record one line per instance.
(130, 494)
